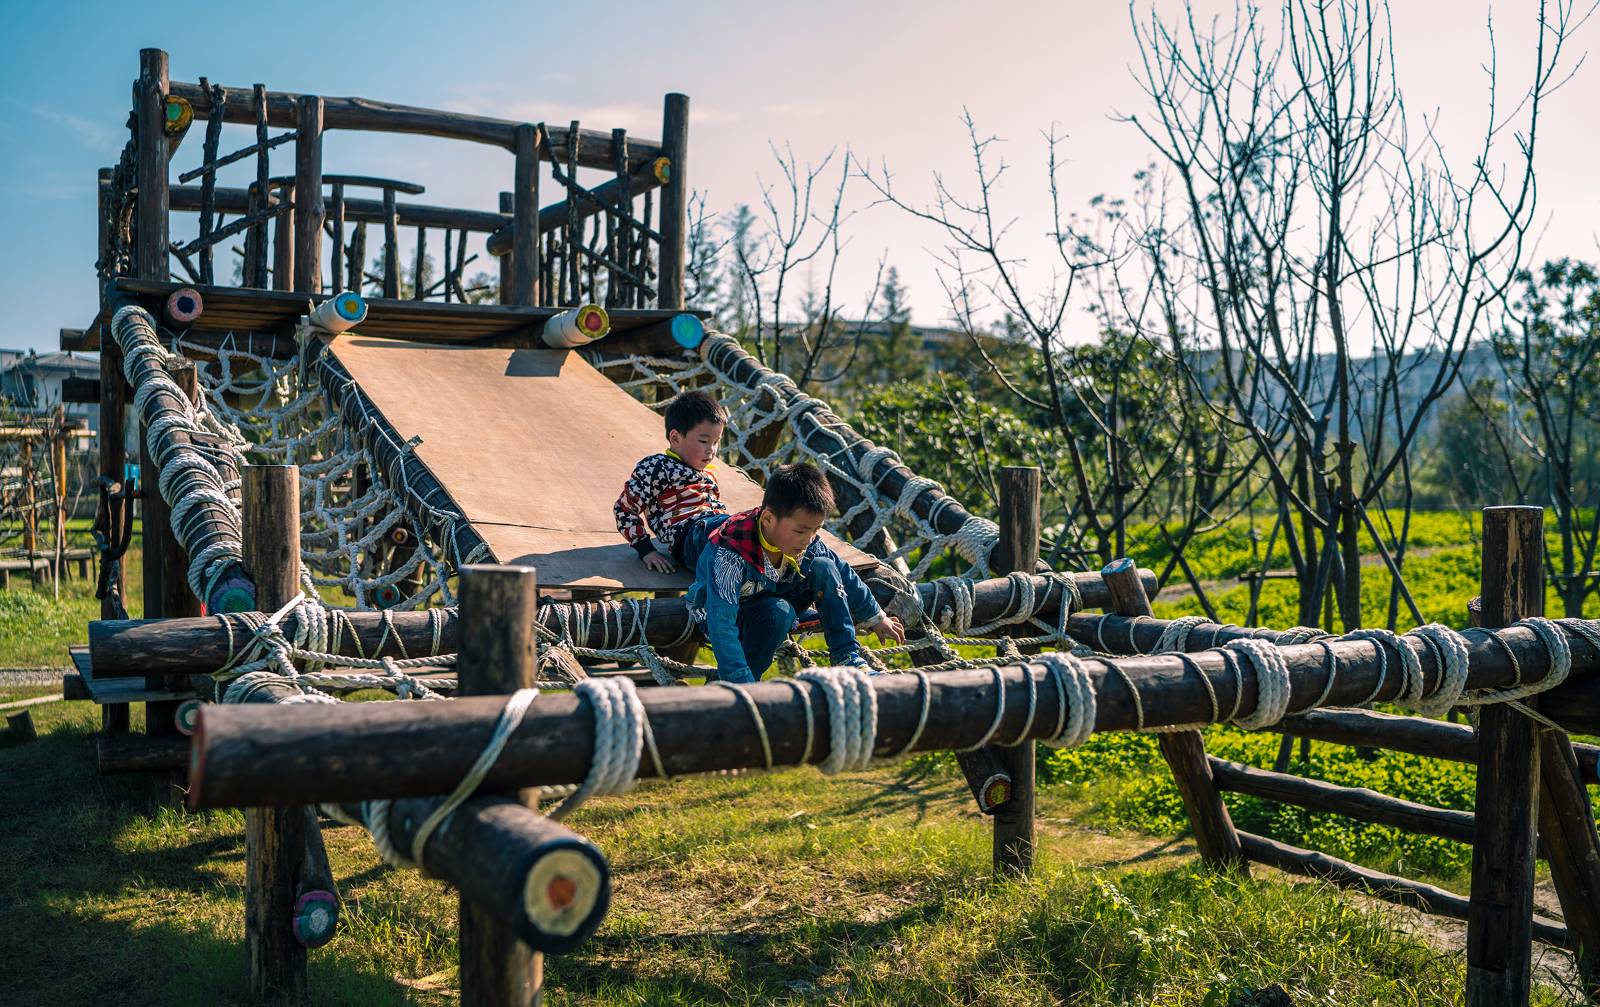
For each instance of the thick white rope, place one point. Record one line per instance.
(1272, 683)
(1075, 692)
(852, 716)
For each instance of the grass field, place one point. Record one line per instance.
(792, 888)
(871, 888)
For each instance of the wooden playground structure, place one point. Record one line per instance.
(319, 519)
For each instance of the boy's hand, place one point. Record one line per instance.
(659, 563)
(889, 628)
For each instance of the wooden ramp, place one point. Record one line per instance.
(533, 447)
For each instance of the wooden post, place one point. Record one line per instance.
(1567, 828)
(418, 279)
(1500, 919)
(1017, 550)
(255, 242)
(20, 724)
(276, 837)
(113, 456)
(58, 506)
(336, 265)
(30, 514)
(1185, 751)
(150, 114)
(498, 611)
(308, 209)
(391, 245)
(525, 218)
(283, 243)
(674, 201)
(507, 205)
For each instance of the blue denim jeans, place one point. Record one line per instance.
(692, 540)
(764, 623)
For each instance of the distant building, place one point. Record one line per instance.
(32, 381)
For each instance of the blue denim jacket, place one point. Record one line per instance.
(723, 580)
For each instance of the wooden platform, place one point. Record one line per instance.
(243, 310)
(534, 447)
(106, 691)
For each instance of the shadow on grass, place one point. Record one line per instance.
(773, 961)
(103, 902)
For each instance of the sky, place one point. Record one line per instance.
(887, 82)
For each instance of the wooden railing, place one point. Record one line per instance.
(612, 242)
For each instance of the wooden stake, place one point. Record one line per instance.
(1017, 550)
(525, 270)
(674, 201)
(498, 610)
(276, 837)
(1185, 751)
(308, 208)
(150, 220)
(1500, 919)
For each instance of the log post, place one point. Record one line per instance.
(507, 205)
(525, 218)
(30, 512)
(113, 461)
(1567, 828)
(1018, 549)
(308, 208)
(499, 607)
(1500, 919)
(1185, 751)
(283, 242)
(150, 116)
(275, 837)
(674, 201)
(391, 245)
(336, 263)
(20, 726)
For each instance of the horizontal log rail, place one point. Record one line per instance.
(285, 756)
(1359, 803)
(595, 147)
(1412, 735)
(122, 648)
(1402, 891)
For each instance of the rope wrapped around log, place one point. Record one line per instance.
(329, 753)
(123, 648)
(190, 458)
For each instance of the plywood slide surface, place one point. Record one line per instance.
(533, 446)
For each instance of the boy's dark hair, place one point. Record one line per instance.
(688, 410)
(800, 486)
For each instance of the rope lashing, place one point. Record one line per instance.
(852, 716)
(619, 729)
(1451, 648)
(1272, 683)
(1175, 635)
(1411, 688)
(1560, 652)
(1075, 691)
(377, 812)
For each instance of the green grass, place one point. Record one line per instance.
(790, 888)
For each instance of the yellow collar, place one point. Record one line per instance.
(768, 547)
(675, 454)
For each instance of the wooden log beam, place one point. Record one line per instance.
(1414, 735)
(1185, 751)
(556, 215)
(1388, 887)
(120, 648)
(348, 753)
(387, 117)
(512, 864)
(1500, 917)
(1568, 841)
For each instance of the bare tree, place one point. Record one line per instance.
(1312, 224)
(1549, 352)
(785, 261)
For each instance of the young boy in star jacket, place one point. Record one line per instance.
(670, 491)
(756, 571)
